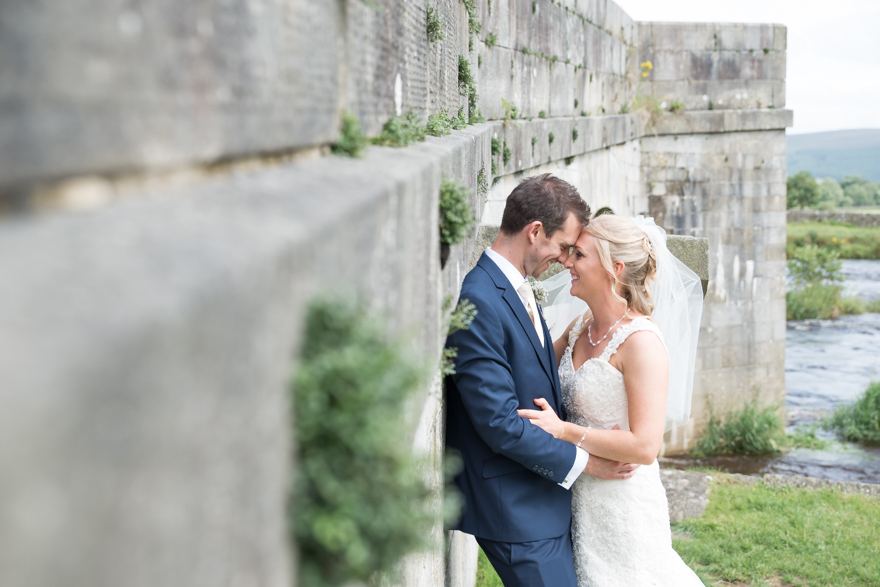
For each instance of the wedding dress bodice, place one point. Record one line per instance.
(605, 404)
(620, 529)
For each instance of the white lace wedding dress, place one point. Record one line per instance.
(620, 529)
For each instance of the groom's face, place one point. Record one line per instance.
(545, 250)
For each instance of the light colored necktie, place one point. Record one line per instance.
(525, 290)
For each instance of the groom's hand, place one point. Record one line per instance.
(609, 470)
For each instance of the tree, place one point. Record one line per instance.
(803, 191)
(861, 191)
(831, 194)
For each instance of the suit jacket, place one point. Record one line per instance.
(511, 467)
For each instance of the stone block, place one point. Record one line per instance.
(93, 89)
(687, 493)
(780, 41)
(668, 66)
(693, 252)
(743, 37)
(681, 36)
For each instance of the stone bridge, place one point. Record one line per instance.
(169, 207)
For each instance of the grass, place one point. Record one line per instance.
(860, 420)
(847, 240)
(486, 575)
(749, 431)
(760, 535)
(816, 302)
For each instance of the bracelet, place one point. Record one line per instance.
(582, 437)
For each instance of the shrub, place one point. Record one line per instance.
(460, 319)
(400, 131)
(748, 431)
(456, 215)
(859, 421)
(816, 275)
(352, 140)
(358, 503)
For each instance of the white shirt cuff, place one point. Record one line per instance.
(580, 463)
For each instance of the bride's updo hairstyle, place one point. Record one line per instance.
(619, 239)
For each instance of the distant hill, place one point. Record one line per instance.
(836, 153)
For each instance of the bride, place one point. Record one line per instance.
(615, 373)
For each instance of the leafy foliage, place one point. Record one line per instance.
(352, 140)
(456, 215)
(359, 504)
(802, 191)
(434, 26)
(574, 134)
(491, 40)
(551, 137)
(859, 421)
(482, 183)
(467, 87)
(815, 289)
(747, 431)
(460, 319)
(441, 124)
(506, 154)
(400, 131)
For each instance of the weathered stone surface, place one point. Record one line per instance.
(92, 87)
(171, 324)
(722, 121)
(693, 252)
(867, 489)
(687, 493)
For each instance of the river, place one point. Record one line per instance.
(827, 362)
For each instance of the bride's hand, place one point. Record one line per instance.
(546, 418)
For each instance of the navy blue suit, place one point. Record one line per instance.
(511, 467)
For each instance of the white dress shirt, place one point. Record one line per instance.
(516, 279)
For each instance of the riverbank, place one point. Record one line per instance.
(848, 240)
(771, 530)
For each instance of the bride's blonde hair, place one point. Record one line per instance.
(619, 239)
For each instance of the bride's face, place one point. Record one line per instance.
(587, 273)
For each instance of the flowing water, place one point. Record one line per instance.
(827, 362)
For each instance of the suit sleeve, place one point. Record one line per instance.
(485, 382)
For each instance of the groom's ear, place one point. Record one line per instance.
(533, 229)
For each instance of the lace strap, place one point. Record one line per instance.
(640, 323)
(578, 328)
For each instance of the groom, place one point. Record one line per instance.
(516, 477)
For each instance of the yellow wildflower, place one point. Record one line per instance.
(834, 239)
(644, 74)
(647, 65)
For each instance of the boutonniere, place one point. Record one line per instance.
(538, 290)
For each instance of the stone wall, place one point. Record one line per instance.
(169, 207)
(855, 218)
(720, 174)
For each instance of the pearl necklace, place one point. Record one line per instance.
(590, 327)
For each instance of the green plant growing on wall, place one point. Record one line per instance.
(474, 24)
(551, 137)
(358, 504)
(460, 319)
(434, 26)
(491, 40)
(467, 87)
(542, 114)
(676, 106)
(482, 183)
(352, 140)
(575, 103)
(506, 154)
(441, 124)
(400, 131)
(511, 112)
(534, 141)
(456, 215)
(584, 113)
(569, 160)
(711, 105)
(574, 134)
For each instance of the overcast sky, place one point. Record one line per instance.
(833, 60)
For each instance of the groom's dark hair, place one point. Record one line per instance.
(545, 198)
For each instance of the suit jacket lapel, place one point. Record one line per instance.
(516, 305)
